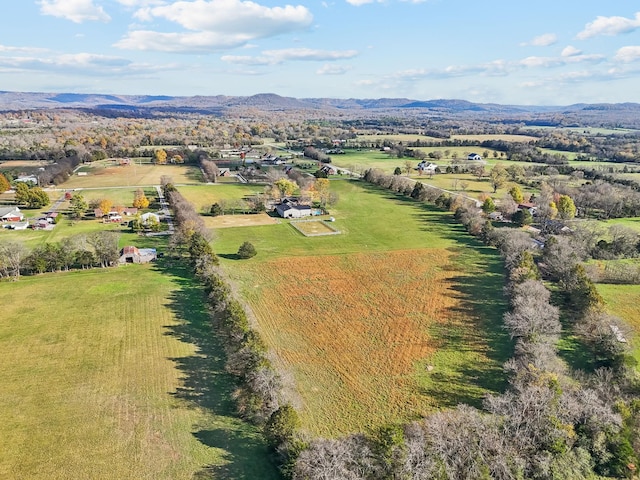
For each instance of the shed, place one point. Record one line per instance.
(132, 254)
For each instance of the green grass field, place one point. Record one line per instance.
(203, 196)
(115, 374)
(357, 317)
(624, 302)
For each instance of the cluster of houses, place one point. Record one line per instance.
(116, 214)
(13, 219)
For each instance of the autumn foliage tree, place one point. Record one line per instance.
(140, 200)
(4, 184)
(160, 156)
(105, 206)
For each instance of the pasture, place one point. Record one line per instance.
(203, 196)
(106, 174)
(123, 380)
(624, 302)
(360, 160)
(119, 196)
(397, 316)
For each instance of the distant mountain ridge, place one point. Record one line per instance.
(273, 102)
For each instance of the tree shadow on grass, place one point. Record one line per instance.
(207, 386)
(229, 256)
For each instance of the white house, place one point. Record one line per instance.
(290, 208)
(474, 156)
(426, 167)
(27, 179)
(149, 218)
(11, 214)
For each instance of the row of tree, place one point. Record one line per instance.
(550, 423)
(258, 394)
(98, 249)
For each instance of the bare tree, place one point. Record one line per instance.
(350, 458)
(12, 256)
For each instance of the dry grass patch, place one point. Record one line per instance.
(354, 329)
(104, 176)
(23, 163)
(314, 228)
(226, 221)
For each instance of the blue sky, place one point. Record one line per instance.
(544, 52)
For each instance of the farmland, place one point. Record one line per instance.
(133, 390)
(203, 196)
(377, 324)
(106, 174)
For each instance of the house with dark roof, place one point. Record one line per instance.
(474, 156)
(291, 208)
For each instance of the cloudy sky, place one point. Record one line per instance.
(544, 52)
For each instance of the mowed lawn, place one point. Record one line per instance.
(203, 196)
(115, 374)
(397, 316)
(624, 302)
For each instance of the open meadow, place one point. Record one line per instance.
(624, 302)
(395, 317)
(121, 379)
(107, 174)
(203, 196)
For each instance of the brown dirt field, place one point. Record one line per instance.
(352, 330)
(225, 221)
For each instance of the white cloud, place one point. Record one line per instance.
(77, 11)
(80, 63)
(214, 25)
(329, 69)
(234, 15)
(609, 26)
(275, 57)
(570, 51)
(22, 50)
(542, 40)
(628, 54)
(180, 42)
(359, 3)
(140, 3)
(572, 56)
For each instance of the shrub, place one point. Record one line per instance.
(215, 210)
(247, 250)
(281, 426)
(522, 218)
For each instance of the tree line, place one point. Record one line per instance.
(551, 422)
(98, 249)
